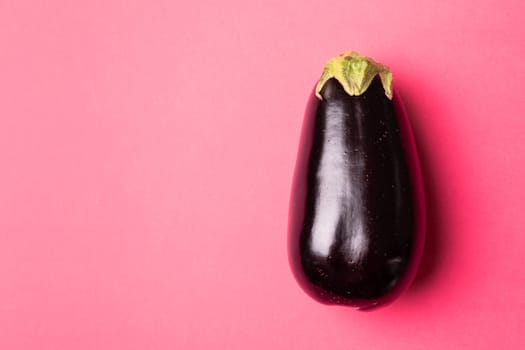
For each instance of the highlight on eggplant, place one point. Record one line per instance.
(357, 209)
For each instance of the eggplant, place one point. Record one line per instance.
(357, 208)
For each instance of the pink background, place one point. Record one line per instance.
(147, 151)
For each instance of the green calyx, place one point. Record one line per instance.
(355, 74)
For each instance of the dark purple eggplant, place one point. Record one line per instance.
(357, 210)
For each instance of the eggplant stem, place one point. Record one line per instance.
(355, 73)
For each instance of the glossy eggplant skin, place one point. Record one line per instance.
(357, 212)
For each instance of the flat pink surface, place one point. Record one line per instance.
(147, 151)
